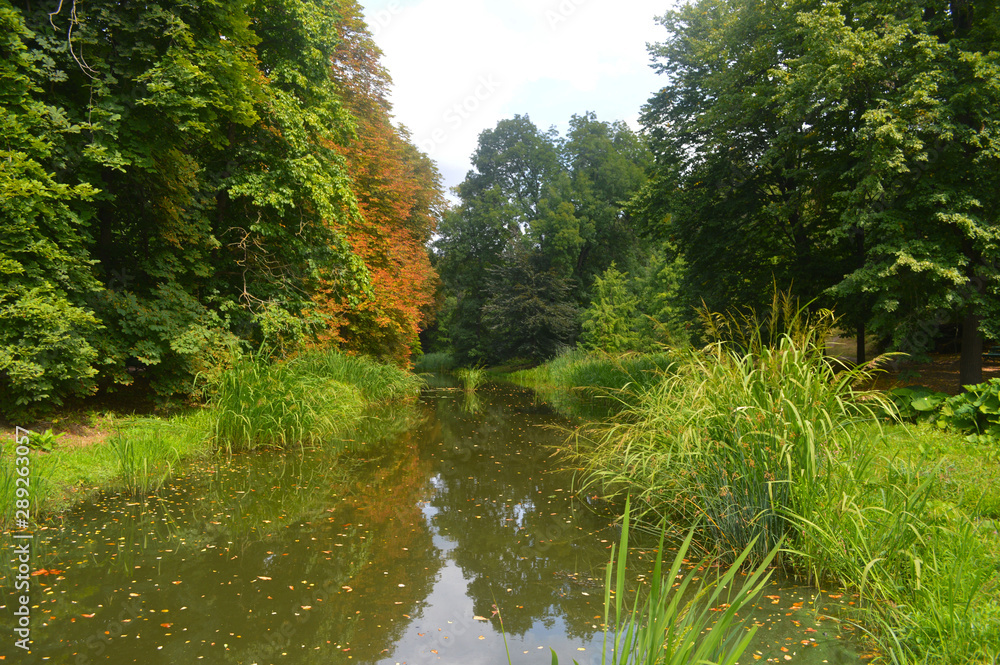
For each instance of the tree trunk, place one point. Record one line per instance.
(861, 344)
(971, 365)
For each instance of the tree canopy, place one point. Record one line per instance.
(187, 177)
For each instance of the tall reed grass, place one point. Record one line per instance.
(302, 400)
(471, 377)
(738, 432)
(728, 436)
(677, 623)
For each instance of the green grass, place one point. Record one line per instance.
(434, 362)
(300, 401)
(471, 377)
(303, 401)
(904, 517)
(677, 623)
(135, 458)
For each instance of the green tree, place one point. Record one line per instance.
(529, 311)
(738, 187)
(45, 276)
(557, 201)
(921, 198)
(609, 322)
(846, 148)
(199, 149)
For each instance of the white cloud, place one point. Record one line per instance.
(460, 66)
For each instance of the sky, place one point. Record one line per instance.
(460, 66)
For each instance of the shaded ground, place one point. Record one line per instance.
(940, 374)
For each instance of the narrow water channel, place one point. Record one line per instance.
(444, 520)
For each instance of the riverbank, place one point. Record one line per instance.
(776, 444)
(254, 403)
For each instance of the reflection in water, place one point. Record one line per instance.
(444, 518)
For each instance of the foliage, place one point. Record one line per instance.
(170, 194)
(528, 311)
(398, 190)
(847, 147)
(547, 208)
(46, 353)
(608, 324)
(44, 441)
(974, 412)
(916, 403)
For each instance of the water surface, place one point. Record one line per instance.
(445, 520)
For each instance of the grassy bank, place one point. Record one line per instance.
(578, 382)
(302, 401)
(761, 443)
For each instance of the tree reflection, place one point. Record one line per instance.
(521, 540)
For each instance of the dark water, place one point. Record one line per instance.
(445, 519)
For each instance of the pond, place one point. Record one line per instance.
(445, 520)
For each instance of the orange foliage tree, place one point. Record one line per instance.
(398, 190)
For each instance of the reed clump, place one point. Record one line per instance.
(695, 620)
(301, 400)
(760, 439)
(471, 377)
(731, 435)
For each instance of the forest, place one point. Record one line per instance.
(845, 151)
(180, 181)
(184, 179)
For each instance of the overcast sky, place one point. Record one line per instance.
(459, 66)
